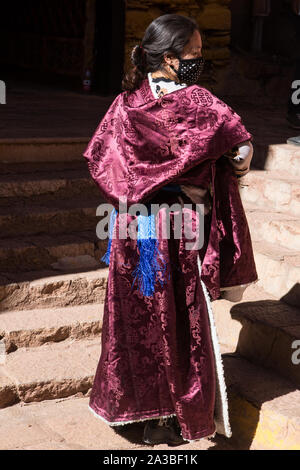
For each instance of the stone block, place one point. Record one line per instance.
(54, 370)
(8, 391)
(219, 53)
(138, 20)
(214, 16)
(218, 40)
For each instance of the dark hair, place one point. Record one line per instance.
(166, 34)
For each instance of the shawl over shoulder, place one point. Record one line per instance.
(143, 143)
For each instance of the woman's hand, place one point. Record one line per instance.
(241, 159)
(231, 153)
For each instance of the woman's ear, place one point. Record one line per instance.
(169, 58)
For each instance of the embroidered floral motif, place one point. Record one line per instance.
(206, 119)
(201, 97)
(185, 102)
(129, 130)
(97, 149)
(166, 119)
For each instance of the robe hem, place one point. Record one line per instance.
(120, 423)
(205, 436)
(246, 284)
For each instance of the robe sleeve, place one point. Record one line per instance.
(233, 129)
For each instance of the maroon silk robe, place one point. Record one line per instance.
(160, 355)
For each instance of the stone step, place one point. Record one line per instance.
(263, 408)
(45, 216)
(38, 252)
(68, 424)
(277, 157)
(15, 323)
(275, 190)
(57, 180)
(51, 289)
(278, 268)
(42, 149)
(229, 328)
(33, 328)
(261, 328)
(270, 336)
(42, 169)
(273, 227)
(50, 371)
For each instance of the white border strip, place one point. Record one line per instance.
(222, 422)
(121, 423)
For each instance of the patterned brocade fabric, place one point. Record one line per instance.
(161, 86)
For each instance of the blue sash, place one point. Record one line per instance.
(150, 259)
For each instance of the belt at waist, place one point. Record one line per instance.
(175, 188)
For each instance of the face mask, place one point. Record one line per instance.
(189, 70)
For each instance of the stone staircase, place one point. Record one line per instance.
(262, 374)
(52, 289)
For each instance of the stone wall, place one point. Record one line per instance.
(213, 17)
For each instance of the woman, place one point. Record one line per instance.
(164, 141)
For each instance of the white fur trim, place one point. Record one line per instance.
(221, 416)
(121, 423)
(211, 436)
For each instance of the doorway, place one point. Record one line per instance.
(109, 47)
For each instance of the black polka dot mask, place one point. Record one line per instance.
(189, 70)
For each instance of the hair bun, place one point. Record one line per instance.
(136, 54)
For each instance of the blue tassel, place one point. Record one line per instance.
(150, 261)
(113, 216)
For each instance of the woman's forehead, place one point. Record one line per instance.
(195, 41)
